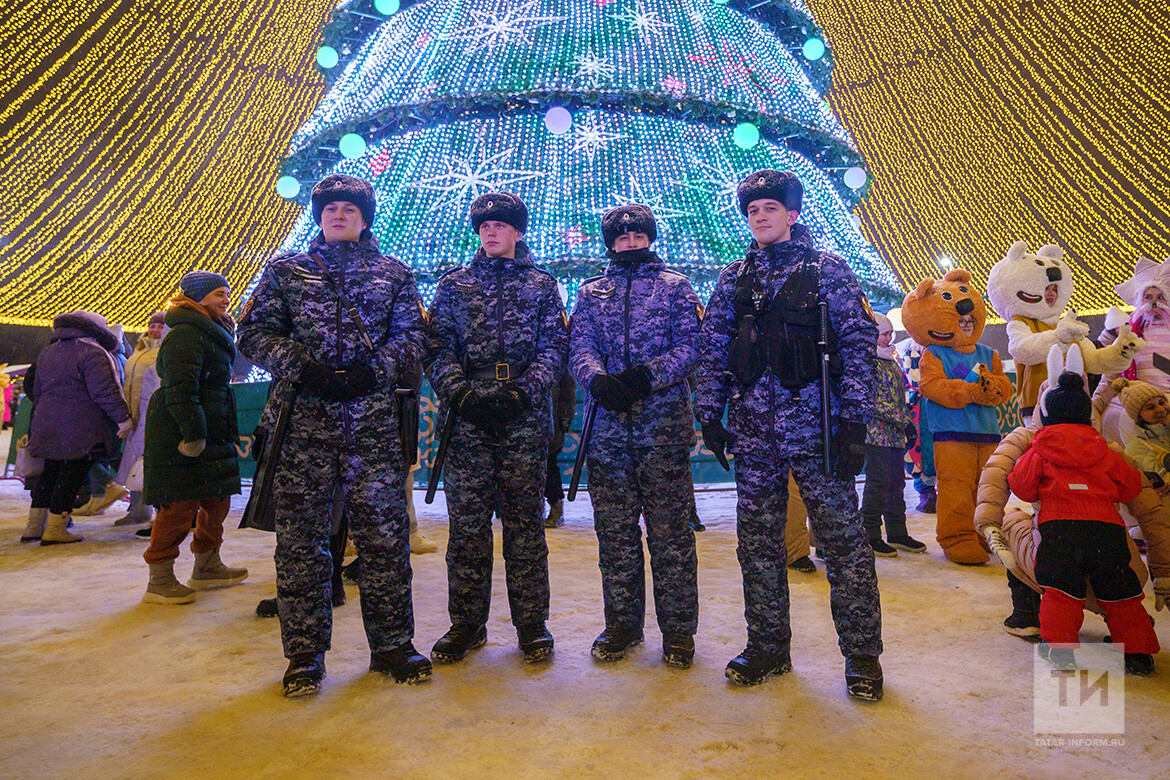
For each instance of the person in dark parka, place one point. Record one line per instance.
(191, 466)
(78, 403)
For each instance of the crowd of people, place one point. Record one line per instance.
(786, 368)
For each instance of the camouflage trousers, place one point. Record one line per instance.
(762, 488)
(371, 477)
(654, 482)
(502, 474)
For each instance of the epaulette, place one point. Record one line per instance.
(592, 279)
(283, 256)
(676, 273)
(450, 271)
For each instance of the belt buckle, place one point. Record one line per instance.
(503, 372)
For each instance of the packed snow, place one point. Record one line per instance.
(97, 684)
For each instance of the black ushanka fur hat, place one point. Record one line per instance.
(631, 218)
(783, 186)
(348, 188)
(499, 207)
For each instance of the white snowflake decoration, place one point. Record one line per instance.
(594, 68)
(656, 203)
(502, 25)
(464, 180)
(592, 138)
(646, 23)
(721, 182)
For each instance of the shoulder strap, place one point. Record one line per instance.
(350, 308)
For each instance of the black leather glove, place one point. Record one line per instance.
(359, 380)
(325, 382)
(476, 407)
(718, 439)
(849, 449)
(911, 432)
(612, 394)
(637, 378)
(512, 403)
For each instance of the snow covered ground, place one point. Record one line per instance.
(96, 684)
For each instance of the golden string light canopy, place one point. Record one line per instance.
(138, 141)
(984, 123)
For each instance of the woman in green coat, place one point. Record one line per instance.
(191, 465)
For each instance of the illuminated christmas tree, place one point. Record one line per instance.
(579, 106)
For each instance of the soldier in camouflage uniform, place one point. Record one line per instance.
(497, 343)
(343, 420)
(758, 349)
(633, 341)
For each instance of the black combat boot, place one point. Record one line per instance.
(754, 665)
(863, 677)
(1024, 621)
(613, 643)
(1139, 664)
(678, 650)
(403, 663)
(535, 642)
(304, 674)
(459, 640)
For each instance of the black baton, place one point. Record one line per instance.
(582, 448)
(437, 469)
(823, 344)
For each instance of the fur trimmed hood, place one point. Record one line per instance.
(1016, 283)
(80, 324)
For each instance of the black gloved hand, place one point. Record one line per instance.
(325, 382)
(911, 432)
(637, 378)
(512, 403)
(612, 394)
(476, 407)
(849, 449)
(359, 380)
(718, 439)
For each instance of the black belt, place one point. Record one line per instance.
(501, 372)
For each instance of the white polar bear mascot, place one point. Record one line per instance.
(1030, 291)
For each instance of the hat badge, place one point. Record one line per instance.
(491, 204)
(761, 181)
(626, 219)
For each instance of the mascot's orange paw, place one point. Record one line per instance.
(967, 553)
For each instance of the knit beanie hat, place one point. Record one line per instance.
(631, 218)
(159, 317)
(499, 207)
(348, 188)
(884, 323)
(1067, 402)
(783, 186)
(1134, 395)
(197, 284)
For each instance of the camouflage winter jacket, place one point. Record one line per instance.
(770, 420)
(295, 315)
(639, 315)
(501, 317)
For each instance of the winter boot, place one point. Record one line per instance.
(403, 663)
(754, 665)
(1061, 658)
(139, 512)
(1024, 621)
(459, 640)
(696, 523)
(352, 571)
(556, 515)
(267, 608)
(36, 525)
(863, 677)
(304, 674)
(928, 501)
(209, 572)
(881, 549)
(1139, 664)
(420, 545)
(907, 543)
(803, 564)
(55, 532)
(613, 643)
(535, 642)
(164, 588)
(678, 650)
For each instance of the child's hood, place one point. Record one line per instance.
(1068, 445)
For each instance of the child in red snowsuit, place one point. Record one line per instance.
(1078, 481)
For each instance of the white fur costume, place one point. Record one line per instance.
(1016, 289)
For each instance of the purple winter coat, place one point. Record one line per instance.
(78, 402)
